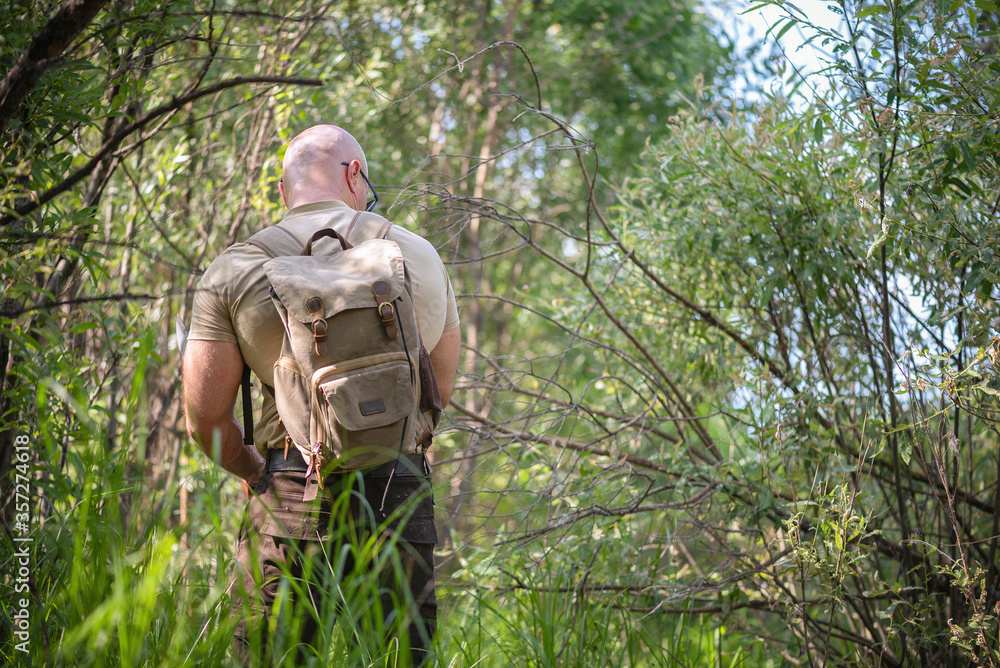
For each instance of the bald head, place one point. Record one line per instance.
(312, 170)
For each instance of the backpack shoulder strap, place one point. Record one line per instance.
(276, 241)
(367, 226)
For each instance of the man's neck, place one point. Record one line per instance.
(311, 198)
(318, 205)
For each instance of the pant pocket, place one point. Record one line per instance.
(409, 501)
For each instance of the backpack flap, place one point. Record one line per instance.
(342, 281)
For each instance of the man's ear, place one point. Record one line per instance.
(281, 189)
(352, 176)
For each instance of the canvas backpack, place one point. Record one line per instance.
(353, 385)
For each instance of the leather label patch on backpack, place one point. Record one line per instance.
(372, 406)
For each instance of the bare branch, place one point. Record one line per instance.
(115, 141)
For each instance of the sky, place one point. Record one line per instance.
(749, 22)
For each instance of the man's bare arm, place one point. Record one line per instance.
(212, 374)
(444, 360)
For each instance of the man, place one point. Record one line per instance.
(234, 322)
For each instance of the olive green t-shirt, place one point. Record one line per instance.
(233, 301)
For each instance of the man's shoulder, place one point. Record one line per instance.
(415, 247)
(236, 269)
(398, 231)
(238, 256)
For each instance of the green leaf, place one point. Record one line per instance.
(874, 10)
(82, 327)
(973, 16)
(905, 450)
(789, 24)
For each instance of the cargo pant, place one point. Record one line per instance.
(363, 558)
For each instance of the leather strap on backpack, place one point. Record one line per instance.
(327, 232)
(385, 308)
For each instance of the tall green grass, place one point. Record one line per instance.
(510, 610)
(118, 578)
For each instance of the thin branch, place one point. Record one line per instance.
(564, 443)
(37, 200)
(13, 310)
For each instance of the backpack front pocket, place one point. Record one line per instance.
(364, 404)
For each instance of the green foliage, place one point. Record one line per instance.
(111, 583)
(152, 142)
(738, 411)
(781, 344)
(782, 271)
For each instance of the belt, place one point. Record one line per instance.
(407, 464)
